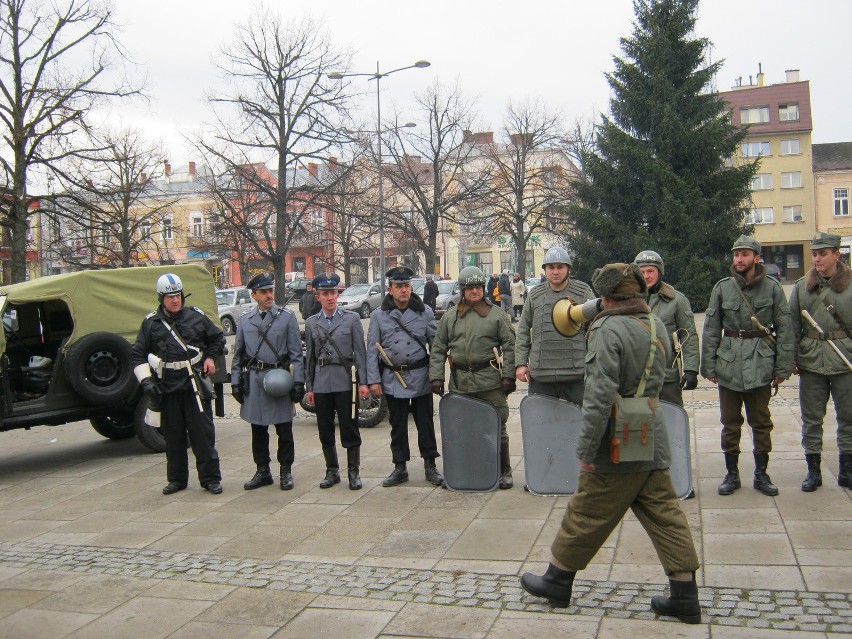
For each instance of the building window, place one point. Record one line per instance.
(841, 201)
(105, 234)
(754, 115)
(793, 214)
(167, 228)
(506, 261)
(196, 224)
(761, 182)
(755, 149)
(145, 230)
(792, 180)
(788, 112)
(760, 216)
(790, 147)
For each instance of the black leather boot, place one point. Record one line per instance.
(432, 474)
(762, 482)
(813, 480)
(844, 475)
(682, 603)
(286, 478)
(263, 477)
(732, 479)
(353, 463)
(554, 585)
(332, 468)
(505, 467)
(398, 476)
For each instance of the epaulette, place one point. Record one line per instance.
(150, 315)
(251, 312)
(197, 310)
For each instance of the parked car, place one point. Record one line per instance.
(361, 298)
(773, 270)
(233, 303)
(449, 294)
(296, 288)
(532, 282)
(65, 349)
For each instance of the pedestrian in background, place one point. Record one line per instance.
(519, 296)
(430, 292)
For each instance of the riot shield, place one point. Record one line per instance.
(550, 428)
(677, 428)
(470, 442)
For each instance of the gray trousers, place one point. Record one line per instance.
(814, 390)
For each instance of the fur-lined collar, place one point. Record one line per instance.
(414, 303)
(664, 290)
(838, 282)
(482, 307)
(759, 274)
(625, 307)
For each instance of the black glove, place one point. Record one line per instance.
(297, 392)
(689, 381)
(237, 392)
(438, 387)
(508, 385)
(151, 390)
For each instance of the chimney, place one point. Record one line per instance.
(468, 136)
(760, 81)
(485, 137)
(192, 169)
(792, 75)
(313, 169)
(168, 168)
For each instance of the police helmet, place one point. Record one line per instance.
(650, 258)
(471, 277)
(277, 382)
(169, 284)
(556, 255)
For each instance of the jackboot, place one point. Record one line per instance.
(505, 467)
(353, 462)
(398, 476)
(682, 603)
(554, 585)
(844, 475)
(263, 477)
(813, 480)
(731, 482)
(762, 482)
(286, 478)
(332, 468)
(432, 475)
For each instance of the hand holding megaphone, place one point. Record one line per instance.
(568, 316)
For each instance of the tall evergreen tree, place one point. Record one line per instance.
(661, 177)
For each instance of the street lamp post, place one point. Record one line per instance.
(377, 76)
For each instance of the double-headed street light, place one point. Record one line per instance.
(377, 76)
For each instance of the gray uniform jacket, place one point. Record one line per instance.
(400, 346)
(674, 309)
(326, 373)
(259, 407)
(550, 356)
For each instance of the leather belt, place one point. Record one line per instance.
(401, 368)
(173, 366)
(745, 334)
(259, 365)
(825, 336)
(470, 368)
(327, 361)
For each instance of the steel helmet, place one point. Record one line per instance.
(556, 255)
(471, 277)
(169, 284)
(650, 258)
(277, 382)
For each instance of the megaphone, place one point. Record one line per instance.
(568, 316)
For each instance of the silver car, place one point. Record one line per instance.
(449, 295)
(233, 303)
(361, 298)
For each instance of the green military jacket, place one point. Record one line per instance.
(674, 309)
(469, 335)
(743, 364)
(813, 354)
(616, 357)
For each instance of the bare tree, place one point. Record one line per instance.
(279, 111)
(580, 142)
(54, 62)
(530, 176)
(433, 173)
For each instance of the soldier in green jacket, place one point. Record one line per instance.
(824, 354)
(618, 352)
(674, 309)
(747, 350)
(468, 335)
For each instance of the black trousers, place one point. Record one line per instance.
(422, 409)
(180, 416)
(260, 444)
(329, 404)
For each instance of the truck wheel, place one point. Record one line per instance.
(118, 425)
(98, 369)
(227, 325)
(150, 437)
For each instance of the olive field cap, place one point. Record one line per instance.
(825, 240)
(746, 242)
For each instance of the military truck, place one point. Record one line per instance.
(65, 348)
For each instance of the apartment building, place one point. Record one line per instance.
(833, 187)
(782, 209)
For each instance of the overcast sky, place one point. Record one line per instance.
(498, 50)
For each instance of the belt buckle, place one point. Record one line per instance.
(740, 333)
(321, 361)
(403, 368)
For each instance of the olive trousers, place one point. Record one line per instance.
(814, 390)
(756, 403)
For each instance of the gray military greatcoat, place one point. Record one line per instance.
(286, 348)
(326, 372)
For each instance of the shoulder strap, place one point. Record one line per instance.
(743, 297)
(833, 311)
(264, 332)
(177, 337)
(410, 334)
(330, 340)
(652, 328)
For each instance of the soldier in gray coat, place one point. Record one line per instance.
(400, 334)
(334, 344)
(267, 339)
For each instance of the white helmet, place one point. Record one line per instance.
(169, 284)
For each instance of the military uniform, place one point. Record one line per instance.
(822, 370)
(675, 311)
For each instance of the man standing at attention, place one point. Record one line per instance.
(401, 331)
(747, 350)
(824, 355)
(553, 365)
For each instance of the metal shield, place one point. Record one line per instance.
(470, 439)
(677, 428)
(550, 428)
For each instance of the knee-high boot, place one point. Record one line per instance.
(353, 463)
(332, 468)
